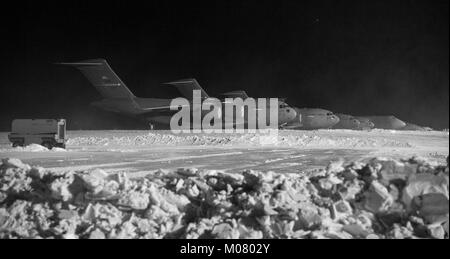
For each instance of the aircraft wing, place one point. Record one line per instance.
(292, 126)
(155, 110)
(186, 86)
(159, 108)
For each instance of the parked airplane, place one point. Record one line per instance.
(365, 123)
(286, 113)
(414, 127)
(118, 98)
(306, 118)
(386, 122)
(347, 122)
(312, 118)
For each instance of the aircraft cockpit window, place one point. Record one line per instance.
(330, 114)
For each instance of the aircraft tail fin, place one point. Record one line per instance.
(236, 94)
(103, 78)
(186, 86)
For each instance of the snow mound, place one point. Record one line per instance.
(35, 148)
(58, 149)
(156, 139)
(32, 148)
(290, 139)
(381, 199)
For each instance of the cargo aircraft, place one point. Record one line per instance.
(117, 97)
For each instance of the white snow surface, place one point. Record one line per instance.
(291, 151)
(35, 148)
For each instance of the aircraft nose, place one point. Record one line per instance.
(334, 118)
(288, 114)
(291, 113)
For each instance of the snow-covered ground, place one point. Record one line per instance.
(291, 151)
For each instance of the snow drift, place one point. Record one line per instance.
(381, 199)
(342, 138)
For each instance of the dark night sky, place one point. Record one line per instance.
(358, 57)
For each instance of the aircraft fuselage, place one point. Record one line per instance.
(144, 110)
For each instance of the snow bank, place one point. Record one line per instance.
(33, 148)
(381, 199)
(285, 138)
